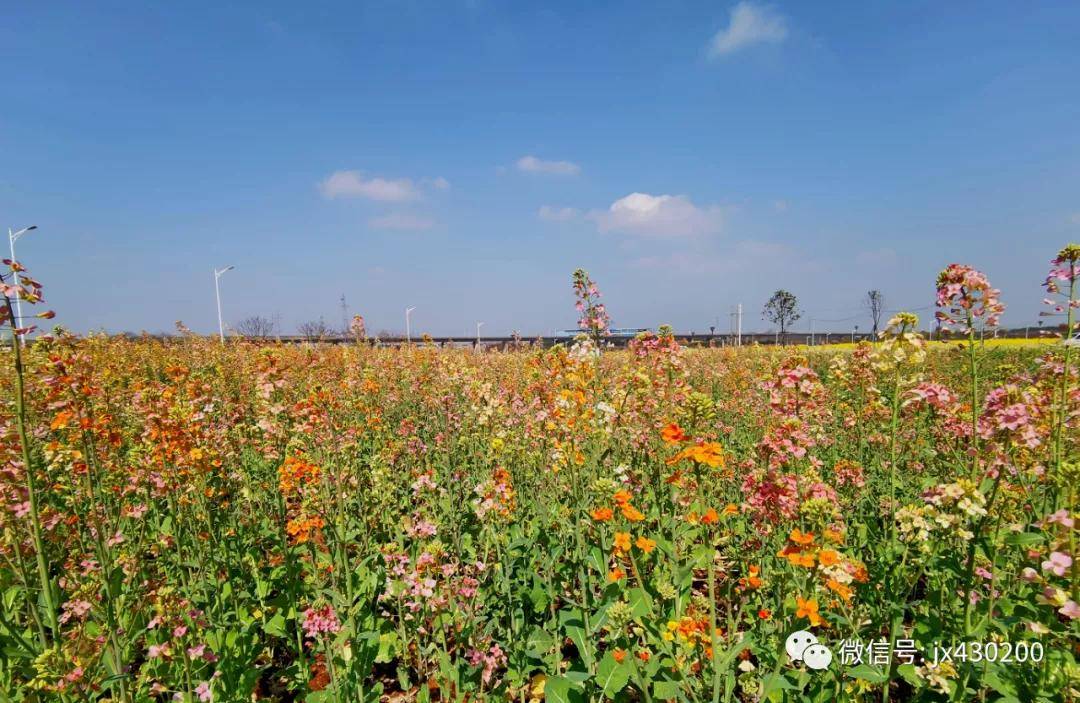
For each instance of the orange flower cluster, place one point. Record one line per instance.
(689, 632)
(752, 580)
(808, 609)
(296, 473)
(708, 453)
(835, 571)
(305, 529)
(622, 502)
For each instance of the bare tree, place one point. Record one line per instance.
(314, 330)
(875, 305)
(783, 310)
(255, 326)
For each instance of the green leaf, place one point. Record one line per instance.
(276, 626)
(640, 603)
(1023, 539)
(665, 690)
(866, 673)
(611, 676)
(559, 689)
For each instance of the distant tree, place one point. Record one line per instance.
(875, 305)
(255, 326)
(783, 310)
(314, 330)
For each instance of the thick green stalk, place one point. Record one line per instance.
(31, 485)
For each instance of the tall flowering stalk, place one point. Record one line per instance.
(15, 286)
(969, 304)
(594, 319)
(1065, 268)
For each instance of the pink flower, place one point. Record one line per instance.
(1058, 563)
(1061, 517)
(964, 297)
(1030, 575)
(1070, 610)
(317, 622)
(179, 631)
(157, 650)
(203, 692)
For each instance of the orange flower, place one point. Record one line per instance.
(840, 589)
(602, 514)
(709, 453)
(731, 509)
(808, 609)
(801, 538)
(834, 536)
(711, 517)
(622, 541)
(632, 514)
(803, 559)
(828, 557)
(621, 498)
(645, 544)
(618, 655)
(62, 420)
(673, 434)
(751, 580)
(303, 529)
(643, 655)
(616, 574)
(764, 613)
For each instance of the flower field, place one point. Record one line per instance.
(186, 520)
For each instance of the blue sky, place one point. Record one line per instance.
(465, 157)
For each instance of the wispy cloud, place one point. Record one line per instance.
(659, 216)
(557, 214)
(749, 24)
(401, 221)
(532, 164)
(355, 184)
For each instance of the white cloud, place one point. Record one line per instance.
(353, 184)
(401, 221)
(531, 164)
(659, 216)
(439, 183)
(750, 24)
(557, 214)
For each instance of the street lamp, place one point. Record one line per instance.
(478, 326)
(12, 236)
(408, 329)
(218, 273)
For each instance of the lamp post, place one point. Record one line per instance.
(218, 273)
(408, 329)
(478, 326)
(12, 236)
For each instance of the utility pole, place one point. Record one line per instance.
(344, 316)
(408, 328)
(218, 273)
(738, 326)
